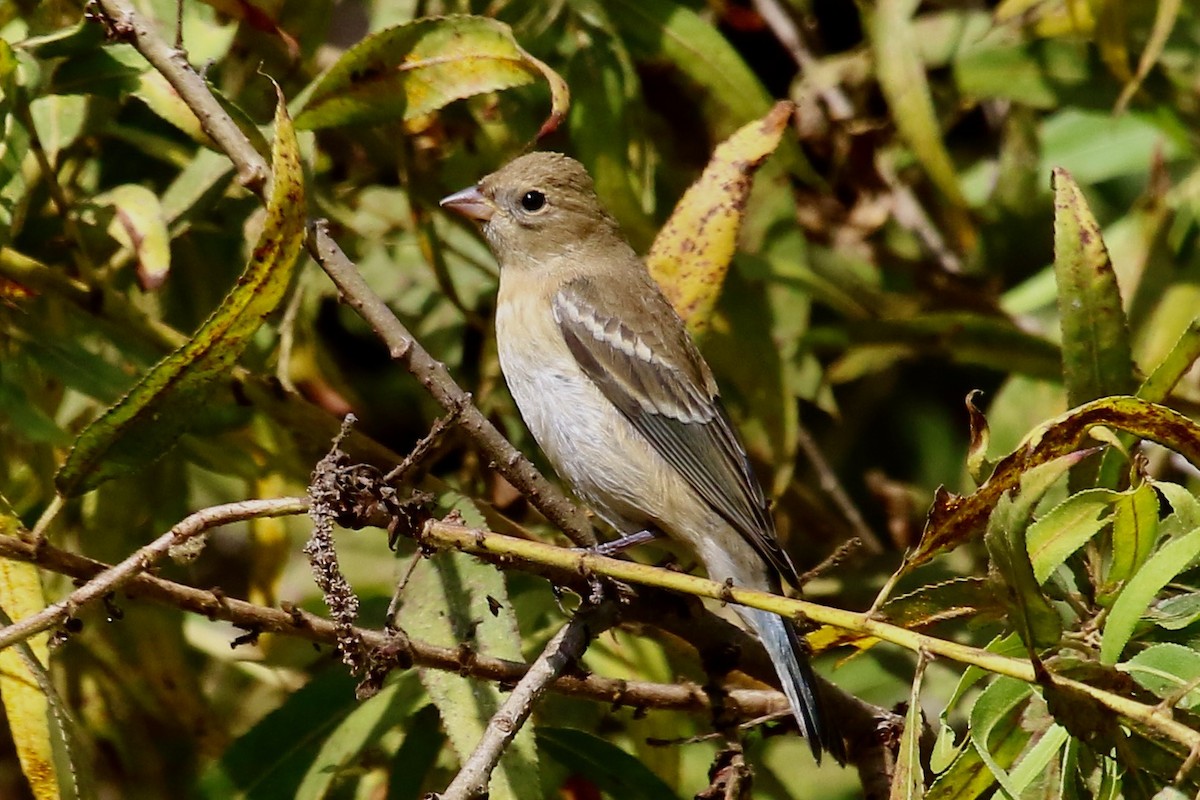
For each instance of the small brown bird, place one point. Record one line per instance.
(621, 401)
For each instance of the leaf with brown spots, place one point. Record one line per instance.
(1095, 337)
(172, 398)
(691, 254)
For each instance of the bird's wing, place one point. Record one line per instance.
(645, 363)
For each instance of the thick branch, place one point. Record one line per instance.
(128, 24)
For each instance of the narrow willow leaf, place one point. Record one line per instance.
(161, 98)
(1095, 337)
(908, 776)
(1171, 671)
(691, 254)
(1159, 570)
(363, 726)
(1034, 764)
(413, 69)
(1135, 532)
(991, 717)
(170, 399)
(607, 766)
(904, 84)
(1067, 527)
(25, 706)
(1033, 616)
(455, 600)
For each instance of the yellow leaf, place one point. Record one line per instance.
(25, 705)
(691, 254)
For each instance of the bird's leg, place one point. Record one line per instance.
(625, 542)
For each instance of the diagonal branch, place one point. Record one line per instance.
(567, 646)
(124, 22)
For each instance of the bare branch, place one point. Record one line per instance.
(114, 577)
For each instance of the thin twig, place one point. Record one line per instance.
(124, 21)
(787, 32)
(141, 560)
(564, 649)
(830, 484)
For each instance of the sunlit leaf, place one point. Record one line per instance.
(691, 253)
(1170, 670)
(908, 776)
(410, 70)
(1135, 532)
(1067, 527)
(139, 225)
(1159, 570)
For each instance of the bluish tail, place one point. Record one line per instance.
(790, 657)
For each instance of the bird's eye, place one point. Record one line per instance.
(533, 201)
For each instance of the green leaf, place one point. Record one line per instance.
(904, 84)
(1168, 669)
(908, 776)
(1067, 527)
(1135, 532)
(268, 762)
(1159, 570)
(1176, 613)
(1095, 337)
(1096, 146)
(1034, 618)
(170, 399)
(413, 69)
(708, 69)
(609, 767)
(345, 742)
(992, 719)
(455, 600)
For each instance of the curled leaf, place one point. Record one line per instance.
(691, 254)
(139, 225)
(413, 69)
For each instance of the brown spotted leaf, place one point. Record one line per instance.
(172, 398)
(690, 256)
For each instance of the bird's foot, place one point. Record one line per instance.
(624, 543)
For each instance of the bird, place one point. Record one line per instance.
(617, 395)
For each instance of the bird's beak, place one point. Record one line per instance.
(471, 203)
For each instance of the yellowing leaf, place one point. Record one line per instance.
(140, 226)
(691, 254)
(173, 398)
(412, 69)
(25, 705)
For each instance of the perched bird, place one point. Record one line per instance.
(617, 395)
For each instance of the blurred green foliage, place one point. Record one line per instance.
(903, 247)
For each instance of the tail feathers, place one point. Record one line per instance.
(790, 656)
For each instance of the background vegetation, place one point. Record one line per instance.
(904, 246)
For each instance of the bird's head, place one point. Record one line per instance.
(537, 207)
